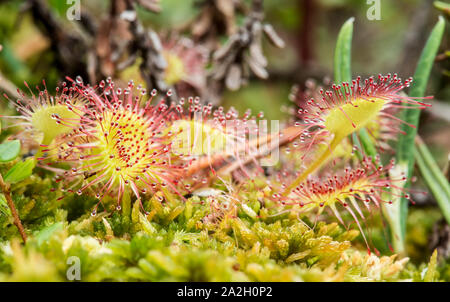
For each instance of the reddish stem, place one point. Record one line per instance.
(6, 191)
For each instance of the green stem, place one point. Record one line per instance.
(314, 166)
(367, 143)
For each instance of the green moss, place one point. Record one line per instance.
(183, 241)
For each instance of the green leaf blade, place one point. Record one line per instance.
(434, 178)
(9, 151)
(418, 87)
(343, 53)
(20, 171)
(405, 146)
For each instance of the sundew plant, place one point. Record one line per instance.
(224, 141)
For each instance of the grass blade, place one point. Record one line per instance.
(433, 177)
(405, 146)
(343, 53)
(343, 73)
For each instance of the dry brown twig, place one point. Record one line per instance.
(99, 51)
(242, 54)
(121, 39)
(68, 46)
(216, 18)
(149, 46)
(263, 144)
(150, 5)
(8, 87)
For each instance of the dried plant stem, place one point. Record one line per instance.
(148, 44)
(8, 86)
(6, 191)
(289, 134)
